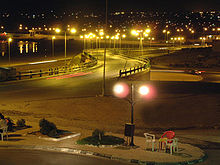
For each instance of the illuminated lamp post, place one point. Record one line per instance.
(108, 37)
(9, 50)
(202, 40)
(52, 39)
(116, 39)
(141, 34)
(73, 30)
(121, 90)
(113, 38)
(166, 32)
(123, 36)
(193, 32)
(83, 37)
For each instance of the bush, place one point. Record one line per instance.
(99, 138)
(47, 128)
(10, 124)
(21, 123)
(98, 134)
(53, 133)
(106, 140)
(2, 116)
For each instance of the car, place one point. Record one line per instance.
(195, 72)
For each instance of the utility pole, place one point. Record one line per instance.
(106, 24)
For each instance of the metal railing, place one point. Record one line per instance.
(134, 70)
(53, 71)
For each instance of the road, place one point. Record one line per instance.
(34, 157)
(83, 83)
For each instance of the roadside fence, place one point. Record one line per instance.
(126, 72)
(53, 71)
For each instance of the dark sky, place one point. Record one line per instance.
(195, 5)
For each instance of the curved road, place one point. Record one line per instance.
(83, 83)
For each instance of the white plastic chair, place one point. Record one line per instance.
(4, 130)
(172, 145)
(150, 139)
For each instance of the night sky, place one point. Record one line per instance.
(195, 5)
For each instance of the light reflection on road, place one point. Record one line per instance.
(69, 76)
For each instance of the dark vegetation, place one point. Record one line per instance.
(99, 138)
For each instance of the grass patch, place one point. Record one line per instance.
(105, 140)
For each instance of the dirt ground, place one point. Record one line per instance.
(181, 111)
(203, 58)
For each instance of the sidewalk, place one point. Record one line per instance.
(187, 154)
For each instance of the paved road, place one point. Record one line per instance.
(32, 157)
(83, 83)
(73, 84)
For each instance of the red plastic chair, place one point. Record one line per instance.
(166, 138)
(168, 135)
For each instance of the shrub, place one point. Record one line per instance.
(106, 140)
(47, 128)
(53, 133)
(99, 134)
(9, 123)
(2, 116)
(21, 123)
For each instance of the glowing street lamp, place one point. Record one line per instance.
(166, 32)
(101, 33)
(52, 39)
(193, 32)
(140, 34)
(134, 32)
(122, 36)
(73, 30)
(58, 30)
(9, 50)
(151, 39)
(202, 40)
(122, 90)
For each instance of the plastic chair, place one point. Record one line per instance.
(166, 139)
(4, 130)
(173, 145)
(169, 135)
(150, 138)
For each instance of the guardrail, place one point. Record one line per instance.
(53, 71)
(134, 70)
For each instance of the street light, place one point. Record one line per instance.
(202, 40)
(166, 32)
(9, 50)
(122, 36)
(73, 30)
(192, 32)
(52, 39)
(122, 90)
(141, 34)
(104, 67)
